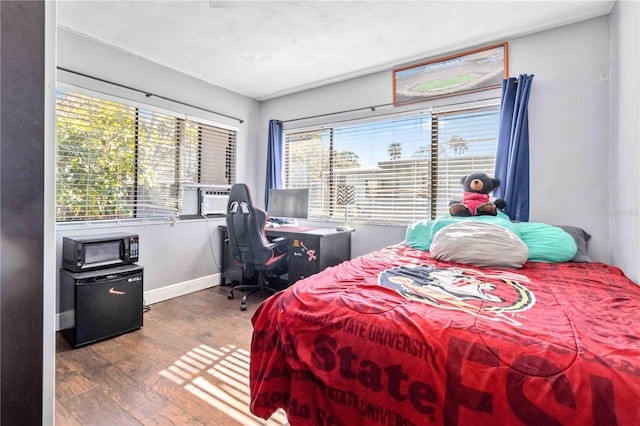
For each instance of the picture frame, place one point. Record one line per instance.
(470, 71)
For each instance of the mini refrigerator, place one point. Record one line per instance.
(103, 303)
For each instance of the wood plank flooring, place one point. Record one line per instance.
(188, 365)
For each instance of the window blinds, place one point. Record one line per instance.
(402, 169)
(467, 143)
(118, 161)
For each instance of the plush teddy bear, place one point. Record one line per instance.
(476, 200)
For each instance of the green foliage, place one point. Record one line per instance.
(455, 144)
(106, 153)
(444, 83)
(309, 158)
(346, 160)
(422, 152)
(95, 160)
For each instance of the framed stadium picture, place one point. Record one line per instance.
(465, 72)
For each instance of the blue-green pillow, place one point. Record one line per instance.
(546, 243)
(420, 234)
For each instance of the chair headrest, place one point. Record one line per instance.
(240, 200)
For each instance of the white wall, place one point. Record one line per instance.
(569, 126)
(172, 254)
(570, 138)
(624, 160)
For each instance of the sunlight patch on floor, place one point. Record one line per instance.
(220, 377)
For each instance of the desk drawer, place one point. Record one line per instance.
(301, 269)
(303, 259)
(310, 251)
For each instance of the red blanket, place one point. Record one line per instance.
(397, 338)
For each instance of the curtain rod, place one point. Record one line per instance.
(372, 108)
(148, 94)
(439, 109)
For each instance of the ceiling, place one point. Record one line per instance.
(264, 49)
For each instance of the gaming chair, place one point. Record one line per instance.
(249, 245)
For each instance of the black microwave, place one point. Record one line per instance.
(99, 251)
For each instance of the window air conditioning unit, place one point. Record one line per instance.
(213, 199)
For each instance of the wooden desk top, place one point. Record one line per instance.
(301, 229)
(307, 230)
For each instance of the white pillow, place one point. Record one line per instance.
(479, 244)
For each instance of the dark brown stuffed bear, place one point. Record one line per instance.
(476, 200)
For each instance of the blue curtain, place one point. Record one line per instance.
(274, 160)
(512, 156)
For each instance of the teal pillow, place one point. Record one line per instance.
(420, 234)
(547, 243)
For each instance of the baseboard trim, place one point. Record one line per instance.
(65, 320)
(180, 289)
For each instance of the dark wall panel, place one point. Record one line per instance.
(22, 32)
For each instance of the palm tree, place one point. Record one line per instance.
(457, 144)
(395, 151)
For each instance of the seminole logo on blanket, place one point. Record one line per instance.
(490, 295)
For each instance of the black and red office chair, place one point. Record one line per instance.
(249, 245)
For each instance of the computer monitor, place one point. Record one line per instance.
(289, 203)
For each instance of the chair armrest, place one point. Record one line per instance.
(280, 240)
(279, 244)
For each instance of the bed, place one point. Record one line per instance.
(407, 335)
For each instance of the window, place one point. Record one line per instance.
(117, 161)
(402, 169)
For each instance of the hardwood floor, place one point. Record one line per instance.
(188, 365)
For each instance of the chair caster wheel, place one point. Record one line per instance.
(230, 296)
(243, 307)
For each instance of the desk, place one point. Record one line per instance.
(311, 250)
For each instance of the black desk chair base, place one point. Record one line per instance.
(263, 285)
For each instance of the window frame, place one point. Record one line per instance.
(457, 106)
(180, 118)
